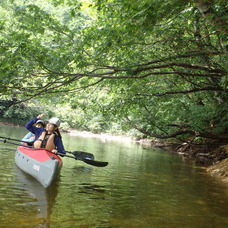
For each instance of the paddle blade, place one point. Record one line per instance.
(80, 155)
(88, 161)
(95, 163)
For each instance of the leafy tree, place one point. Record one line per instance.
(157, 66)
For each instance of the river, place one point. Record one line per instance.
(139, 188)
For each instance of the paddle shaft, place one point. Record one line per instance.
(75, 153)
(87, 161)
(17, 144)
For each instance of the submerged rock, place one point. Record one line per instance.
(220, 170)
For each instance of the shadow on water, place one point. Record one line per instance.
(87, 187)
(92, 189)
(42, 198)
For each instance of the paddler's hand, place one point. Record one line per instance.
(40, 116)
(54, 151)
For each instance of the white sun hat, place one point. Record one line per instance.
(55, 121)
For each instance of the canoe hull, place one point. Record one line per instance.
(39, 163)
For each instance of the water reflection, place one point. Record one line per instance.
(43, 199)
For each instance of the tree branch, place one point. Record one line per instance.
(186, 91)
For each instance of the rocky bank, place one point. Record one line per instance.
(212, 154)
(220, 171)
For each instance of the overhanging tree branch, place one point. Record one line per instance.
(177, 133)
(186, 91)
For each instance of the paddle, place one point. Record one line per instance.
(88, 161)
(77, 156)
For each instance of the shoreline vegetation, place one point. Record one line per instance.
(215, 158)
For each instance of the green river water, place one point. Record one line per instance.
(139, 188)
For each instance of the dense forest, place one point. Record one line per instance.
(146, 68)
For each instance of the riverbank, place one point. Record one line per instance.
(219, 171)
(214, 156)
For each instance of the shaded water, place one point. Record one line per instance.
(139, 188)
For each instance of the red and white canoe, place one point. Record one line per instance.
(39, 163)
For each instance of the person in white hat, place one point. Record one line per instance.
(49, 137)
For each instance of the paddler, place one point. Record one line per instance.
(49, 137)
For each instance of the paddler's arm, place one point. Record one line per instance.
(59, 146)
(29, 126)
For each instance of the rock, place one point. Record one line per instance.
(220, 170)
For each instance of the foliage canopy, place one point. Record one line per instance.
(156, 66)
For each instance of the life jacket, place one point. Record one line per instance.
(45, 141)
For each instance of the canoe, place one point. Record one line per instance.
(43, 165)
